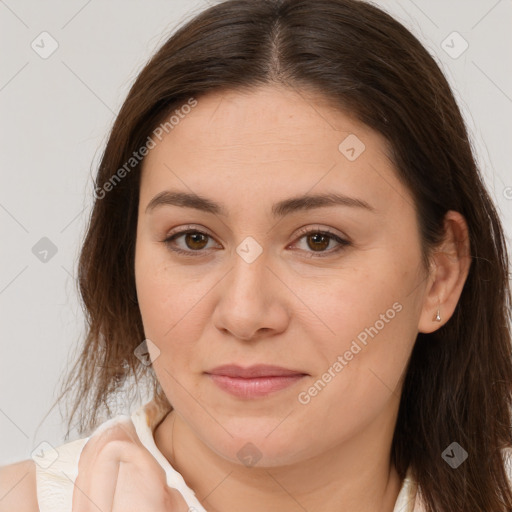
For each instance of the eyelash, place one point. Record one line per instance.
(343, 243)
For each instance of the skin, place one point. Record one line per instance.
(115, 474)
(249, 151)
(290, 307)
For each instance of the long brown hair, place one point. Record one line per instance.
(458, 382)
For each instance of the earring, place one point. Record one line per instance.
(437, 317)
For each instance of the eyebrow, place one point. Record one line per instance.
(280, 209)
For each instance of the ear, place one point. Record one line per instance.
(448, 273)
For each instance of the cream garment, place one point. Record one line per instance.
(55, 482)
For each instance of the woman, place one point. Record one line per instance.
(292, 244)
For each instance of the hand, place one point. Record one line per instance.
(116, 473)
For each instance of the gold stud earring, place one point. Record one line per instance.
(437, 317)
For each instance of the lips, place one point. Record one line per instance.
(260, 370)
(255, 381)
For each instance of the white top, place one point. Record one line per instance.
(55, 482)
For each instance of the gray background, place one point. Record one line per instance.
(55, 116)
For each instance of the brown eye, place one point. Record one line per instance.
(195, 240)
(319, 241)
(195, 243)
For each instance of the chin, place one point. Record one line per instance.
(258, 449)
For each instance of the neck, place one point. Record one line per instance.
(354, 476)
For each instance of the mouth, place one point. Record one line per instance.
(254, 381)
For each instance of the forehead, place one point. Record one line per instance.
(268, 140)
(273, 116)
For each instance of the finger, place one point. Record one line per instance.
(176, 502)
(98, 468)
(142, 482)
(118, 474)
(140, 489)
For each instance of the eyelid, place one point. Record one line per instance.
(189, 227)
(312, 228)
(342, 240)
(181, 231)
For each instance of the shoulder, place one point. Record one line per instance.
(56, 470)
(18, 490)
(46, 482)
(43, 483)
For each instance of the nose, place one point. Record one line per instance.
(252, 301)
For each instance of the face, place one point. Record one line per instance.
(331, 290)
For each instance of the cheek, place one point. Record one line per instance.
(359, 303)
(160, 291)
(150, 290)
(372, 319)
(360, 373)
(171, 308)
